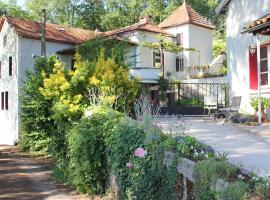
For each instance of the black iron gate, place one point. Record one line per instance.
(188, 98)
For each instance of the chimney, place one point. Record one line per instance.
(146, 19)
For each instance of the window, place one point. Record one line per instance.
(264, 66)
(6, 100)
(179, 64)
(2, 100)
(179, 39)
(10, 66)
(5, 40)
(157, 59)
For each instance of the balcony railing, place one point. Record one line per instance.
(146, 75)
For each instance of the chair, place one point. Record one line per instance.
(232, 110)
(210, 103)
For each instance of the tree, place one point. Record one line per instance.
(90, 13)
(36, 122)
(61, 12)
(122, 13)
(12, 9)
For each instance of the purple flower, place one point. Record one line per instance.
(129, 164)
(140, 152)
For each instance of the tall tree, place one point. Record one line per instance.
(90, 13)
(61, 12)
(122, 13)
(11, 8)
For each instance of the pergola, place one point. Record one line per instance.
(259, 28)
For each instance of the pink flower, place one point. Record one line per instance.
(140, 152)
(129, 164)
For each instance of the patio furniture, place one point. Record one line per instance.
(232, 110)
(210, 103)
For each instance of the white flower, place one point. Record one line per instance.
(192, 147)
(88, 113)
(206, 156)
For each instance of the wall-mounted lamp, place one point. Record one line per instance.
(252, 49)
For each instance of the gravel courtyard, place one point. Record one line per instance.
(248, 147)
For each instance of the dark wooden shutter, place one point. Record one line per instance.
(154, 59)
(6, 100)
(177, 66)
(253, 71)
(10, 66)
(2, 100)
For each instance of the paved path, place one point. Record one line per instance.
(244, 148)
(23, 178)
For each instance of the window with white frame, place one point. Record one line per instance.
(264, 73)
(179, 67)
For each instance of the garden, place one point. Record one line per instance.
(81, 119)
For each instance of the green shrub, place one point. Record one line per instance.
(207, 172)
(126, 137)
(254, 103)
(189, 147)
(88, 164)
(37, 124)
(189, 102)
(235, 191)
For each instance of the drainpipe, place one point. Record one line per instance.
(259, 79)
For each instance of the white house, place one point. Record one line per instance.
(19, 45)
(184, 27)
(241, 57)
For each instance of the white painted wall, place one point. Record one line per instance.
(9, 118)
(195, 37)
(201, 39)
(240, 13)
(22, 51)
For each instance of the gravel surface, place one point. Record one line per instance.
(25, 178)
(245, 148)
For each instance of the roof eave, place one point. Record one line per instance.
(194, 23)
(257, 29)
(221, 6)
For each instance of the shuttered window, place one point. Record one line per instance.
(264, 66)
(6, 100)
(10, 66)
(2, 100)
(179, 64)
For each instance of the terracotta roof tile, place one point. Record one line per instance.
(262, 20)
(185, 14)
(54, 32)
(143, 25)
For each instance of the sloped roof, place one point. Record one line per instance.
(54, 32)
(144, 24)
(185, 14)
(261, 25)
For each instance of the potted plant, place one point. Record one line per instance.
(264, 106)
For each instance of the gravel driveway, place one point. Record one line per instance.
(249, 150)
(24, 178)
